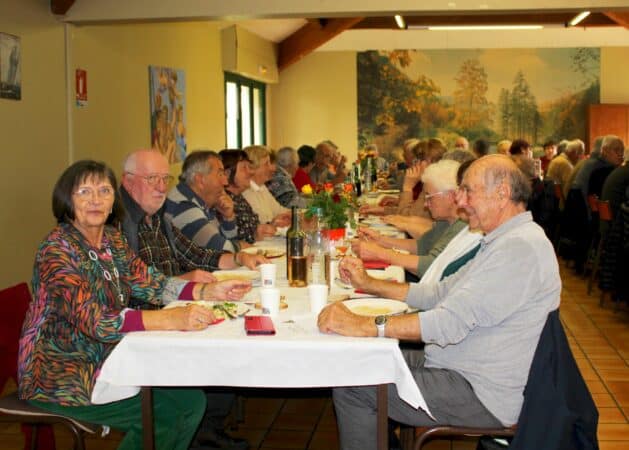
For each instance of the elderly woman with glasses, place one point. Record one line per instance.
(440, 189)
(83, 278)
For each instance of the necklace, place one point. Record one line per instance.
(115, 278)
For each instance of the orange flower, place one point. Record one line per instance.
(329, 187)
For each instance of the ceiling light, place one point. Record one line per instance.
(400, 21)
(477, 27)
(578, 18)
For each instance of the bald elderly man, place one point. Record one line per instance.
(479, 346)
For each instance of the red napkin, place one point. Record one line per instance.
(375, 264)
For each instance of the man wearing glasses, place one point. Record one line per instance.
(145, 181)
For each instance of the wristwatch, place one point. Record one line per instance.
(381, 322)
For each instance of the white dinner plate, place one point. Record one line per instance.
(247, 275)
(375, 306)
(241, 308)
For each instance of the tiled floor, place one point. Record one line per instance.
(599, 338)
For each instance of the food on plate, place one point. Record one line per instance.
(372, 310)
(225, 310)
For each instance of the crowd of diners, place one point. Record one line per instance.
(120, 252)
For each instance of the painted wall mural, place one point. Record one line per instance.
(494, 94)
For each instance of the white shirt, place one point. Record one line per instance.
(262, 202)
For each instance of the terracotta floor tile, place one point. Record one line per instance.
(612, 445)
(615, 362)
(253, 435)
(295, 421)
(286, 439)
(620, 391)
(603, 400)
(596, 386)
(611, 415)
(619, 374)
(613, 432)
(324, 440)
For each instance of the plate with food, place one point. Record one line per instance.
(375, 306)
(243, 275)
(221, 310)
(269, 253)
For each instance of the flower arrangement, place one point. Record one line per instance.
(337, 207)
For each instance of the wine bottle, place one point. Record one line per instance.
(296, 264)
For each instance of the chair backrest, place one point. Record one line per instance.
(604, 211)
(14, 304)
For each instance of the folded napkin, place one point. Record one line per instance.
(375, 264)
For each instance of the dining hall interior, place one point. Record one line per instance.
(304, 53)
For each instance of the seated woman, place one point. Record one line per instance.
(306, 163)
(440, 186)
(258, 195)
(83, 279)
(281, 183)
(238, 170)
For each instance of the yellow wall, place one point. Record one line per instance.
(614, 77)
(33, 137)
(116, 57)
(316, 100)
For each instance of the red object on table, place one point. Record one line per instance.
(375, 264)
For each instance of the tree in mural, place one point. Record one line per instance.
(472, 109)
(519, 114)
(390, 102)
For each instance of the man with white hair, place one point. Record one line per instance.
(561, 167)
(592, 175)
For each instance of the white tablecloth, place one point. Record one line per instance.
(297, 356)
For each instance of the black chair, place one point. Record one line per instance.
(14, 301)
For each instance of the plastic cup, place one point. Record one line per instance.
(270, 301)
(318, 295)
(268, 273)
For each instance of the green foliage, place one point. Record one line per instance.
(335, 208)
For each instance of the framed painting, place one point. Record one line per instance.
(10, 67)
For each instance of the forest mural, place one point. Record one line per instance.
(494, 94)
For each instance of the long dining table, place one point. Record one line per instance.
(297, 356)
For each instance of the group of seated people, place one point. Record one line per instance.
(116, 248)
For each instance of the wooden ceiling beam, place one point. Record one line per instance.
(621, 18)
(309, 37)
(60, 7)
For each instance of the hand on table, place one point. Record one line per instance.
(191, 317)
(371, 209)
(198, 276)
(389, 201)
(265, 230)
(281, 220)
(367, 234)
(222, 290)
(251, 261)
(352, 270)
(337, 318)
(368, 250)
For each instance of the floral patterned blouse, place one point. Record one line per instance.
(76, 315)
(247, 220)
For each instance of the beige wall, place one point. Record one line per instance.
(116, 57)
(33, 137)
(315, 100)
(614, 75)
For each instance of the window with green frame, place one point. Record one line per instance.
(245, 111)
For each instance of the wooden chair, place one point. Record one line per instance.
(14, 302)
(424, 434)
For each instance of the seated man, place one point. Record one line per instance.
(199, 205)
(481, 325)
(440, 191)
(326, 155)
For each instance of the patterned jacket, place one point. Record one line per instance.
(74, 320)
